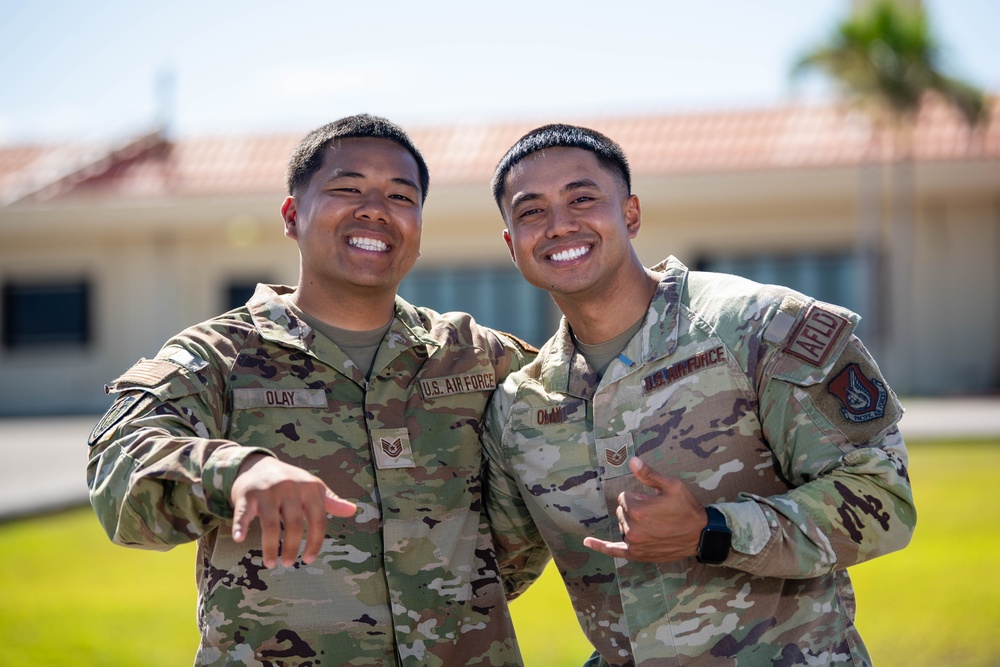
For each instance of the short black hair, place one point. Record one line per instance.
(307, 157)
(608, 153)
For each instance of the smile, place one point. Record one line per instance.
(572, 253)
(364, 243)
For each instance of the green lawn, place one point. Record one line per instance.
(68, 597)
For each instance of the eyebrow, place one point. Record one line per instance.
(569, 187)
(357, 174)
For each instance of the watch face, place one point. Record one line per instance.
(714, 547)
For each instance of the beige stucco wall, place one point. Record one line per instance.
(161, 265)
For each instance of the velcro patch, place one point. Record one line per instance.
(548, 415)
(863, 398)
(613, 454)
(146, 373)
(665, 376)
(458, 384)
(816, 335)
(391, 447)
(249, 398)
(856, 400)
(183, 357)
(119, 409)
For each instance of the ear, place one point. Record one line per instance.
(289, 213)
(510, 246)
(632, 216)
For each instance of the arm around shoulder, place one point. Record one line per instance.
(521, 553)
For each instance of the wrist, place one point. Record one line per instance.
(716, 538)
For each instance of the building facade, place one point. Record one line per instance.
(105, 252)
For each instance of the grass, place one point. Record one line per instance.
(68, 597)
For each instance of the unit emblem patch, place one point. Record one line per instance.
(115, 413)
(863, 399)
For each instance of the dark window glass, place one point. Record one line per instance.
(833, 277)
(39, 314)
(238, 293)
(495, 297)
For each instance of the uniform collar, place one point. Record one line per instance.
(277, 322)
(564, 370)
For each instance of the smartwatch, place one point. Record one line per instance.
(713, 547)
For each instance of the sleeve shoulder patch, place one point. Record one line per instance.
(817, 335)
(115, 414)
(809, 342)
(146, 374)
(855, 399)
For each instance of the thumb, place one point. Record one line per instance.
(337, 506)
(244, 512)
(645, 474)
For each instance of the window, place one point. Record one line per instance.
(41, 314)
(496, 297)
(238, 292)
(833, 277)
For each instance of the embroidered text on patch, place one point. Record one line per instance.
(863, 398)
(665, 376)
(245, 398)
(815, 337)
(458, 384)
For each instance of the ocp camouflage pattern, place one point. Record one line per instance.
(412, 579)
(739, 390)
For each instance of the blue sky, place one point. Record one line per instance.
(91, 70)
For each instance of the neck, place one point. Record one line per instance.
(356, 309)
(599, 317)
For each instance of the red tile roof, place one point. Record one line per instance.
(792, 137)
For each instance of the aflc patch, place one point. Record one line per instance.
(863, 398)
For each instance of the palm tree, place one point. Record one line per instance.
(886, 63)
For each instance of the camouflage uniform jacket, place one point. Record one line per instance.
(764, 402)
(412, 579)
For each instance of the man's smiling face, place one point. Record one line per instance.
(570, 221)
(358, 220)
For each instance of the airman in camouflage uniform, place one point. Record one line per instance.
(754, 400)
(412, 577)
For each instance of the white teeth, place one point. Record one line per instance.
(572, 253)
(368, 244)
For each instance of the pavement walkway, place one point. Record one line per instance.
(45, 458)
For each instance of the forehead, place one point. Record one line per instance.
(555, 167)
(369, 157)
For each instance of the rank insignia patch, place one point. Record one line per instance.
(863, 399)
(391, 447)
(616, 457)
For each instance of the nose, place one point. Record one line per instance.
(372, 208)
(561, 222)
